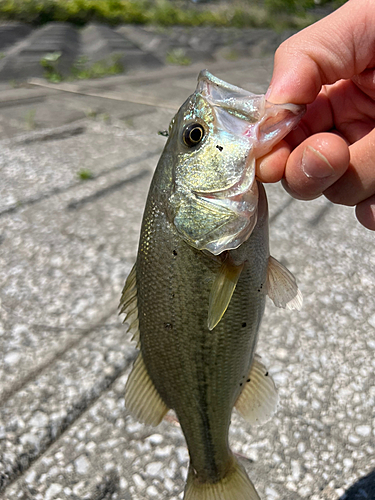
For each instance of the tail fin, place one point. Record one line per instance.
(236, 485)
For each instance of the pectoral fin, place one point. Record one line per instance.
(282, 287)
(222, 291)
(129, 305)
(258, 399)
(141, 397)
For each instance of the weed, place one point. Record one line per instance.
(128, 121)
(30, 123)
(85, 174)
(177, 56)
(231, 54)
(50, 63)
(91, 113)
(83, 70)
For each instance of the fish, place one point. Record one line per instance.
(195, 297)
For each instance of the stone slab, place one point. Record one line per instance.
(204, 44)
(135, 47)
(136, 88)
(11, 33)
(23, 60)
(100, 42)
(48, 109)
(33, 418)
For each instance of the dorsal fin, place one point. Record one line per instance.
(222, 290)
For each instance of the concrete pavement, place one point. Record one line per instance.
(66, 246)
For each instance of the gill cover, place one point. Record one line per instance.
(221, 130)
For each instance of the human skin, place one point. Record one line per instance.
(330, 66)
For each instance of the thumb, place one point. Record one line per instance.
(337, 47)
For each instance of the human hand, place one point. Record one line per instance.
(331, 67)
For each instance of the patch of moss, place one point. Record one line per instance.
(177, 56)
(50, 63)
(83, 69)
(85, 174)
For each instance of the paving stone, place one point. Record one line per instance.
(136, 47)
(38, 112)
(100, 42)
(146, 39)
(23, 60)
(12, 32)
(35, 416)
(204, 44)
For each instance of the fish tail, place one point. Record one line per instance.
(235, 485)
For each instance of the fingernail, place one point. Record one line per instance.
(315, 165)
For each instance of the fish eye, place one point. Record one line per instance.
(193, 134)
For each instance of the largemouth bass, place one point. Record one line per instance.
(196, 295)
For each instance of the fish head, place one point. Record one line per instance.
(214, 141)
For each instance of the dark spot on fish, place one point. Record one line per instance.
(168, 326)
(241, 384)
(172, 295)
(261, 285)
(258, 290)
(248, 380)
(220, 148)
(164, 133)
(266, 375)
(243, 325)
(174, 252)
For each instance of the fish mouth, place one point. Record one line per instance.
(249, 115)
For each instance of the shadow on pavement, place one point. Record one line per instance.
(362, 489)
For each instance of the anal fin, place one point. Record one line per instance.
(222, 291)
(142, 399)
(282, 287)
(258, 399)
(129, 305)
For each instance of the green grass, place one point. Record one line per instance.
(30, 123)
(178, 57)
(83, 69)
(276, 14)
(85, 174)
(50, 63)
